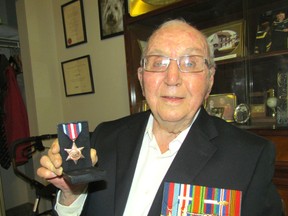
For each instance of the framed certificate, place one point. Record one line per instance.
(74, 23)
(77, 76)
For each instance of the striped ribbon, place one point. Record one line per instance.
(189, 200)
(72, 130)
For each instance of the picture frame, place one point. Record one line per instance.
(74, 23)
(111, 17)
(77, 76)
(271, 32)
(227, 40)
(221, 105)
(217, 111)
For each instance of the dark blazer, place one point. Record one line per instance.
(214, 154)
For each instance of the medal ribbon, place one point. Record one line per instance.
(72, 130)
(185, 199)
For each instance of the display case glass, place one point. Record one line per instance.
(245, 35)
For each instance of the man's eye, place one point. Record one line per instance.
(158, 64)
(190, 64)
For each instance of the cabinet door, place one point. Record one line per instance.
(267, 58)
(202, 14)
(248, 64)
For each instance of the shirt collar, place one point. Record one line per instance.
(177, 142)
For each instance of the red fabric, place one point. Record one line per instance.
(16, 118)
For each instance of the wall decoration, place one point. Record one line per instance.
(226, 40)
(77, 76)
(111, 17)
(74, 23)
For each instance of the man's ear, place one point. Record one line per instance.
(140, 78)
(210, 82)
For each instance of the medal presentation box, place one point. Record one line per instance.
(74, 141)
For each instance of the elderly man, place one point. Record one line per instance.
(175, 147)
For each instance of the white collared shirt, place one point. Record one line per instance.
(151, 168)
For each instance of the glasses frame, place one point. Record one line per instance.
(205, 61)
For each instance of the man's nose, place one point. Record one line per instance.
(173, 74)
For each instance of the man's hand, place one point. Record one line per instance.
(51, 170)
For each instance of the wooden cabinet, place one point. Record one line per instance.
(251, 61)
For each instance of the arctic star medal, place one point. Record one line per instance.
(74, 142)
(74, 153)
(72, 130)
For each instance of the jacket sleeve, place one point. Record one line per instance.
(261, 196)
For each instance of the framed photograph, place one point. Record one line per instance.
(226, 40)
(77, 76)
(272, 31)
(74, 23)
(217, 111)
(111, 17)
(222, 105)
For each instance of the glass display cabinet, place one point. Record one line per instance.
(249, 39)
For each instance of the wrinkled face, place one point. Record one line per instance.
(174, 96)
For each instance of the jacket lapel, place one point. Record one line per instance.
(193, 155)
(195, 151)
(127, 156)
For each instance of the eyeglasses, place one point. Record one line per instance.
(186, 64)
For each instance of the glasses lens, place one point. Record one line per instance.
(191, 63)
(156, 63)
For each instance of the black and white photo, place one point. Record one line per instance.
(111, 17)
